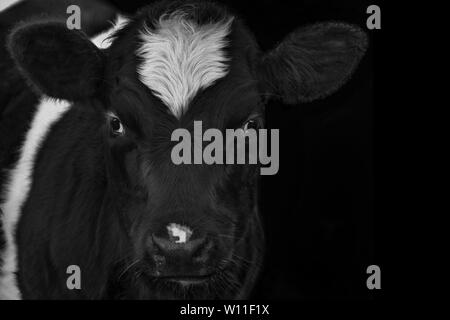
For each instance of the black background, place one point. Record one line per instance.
(318, 209)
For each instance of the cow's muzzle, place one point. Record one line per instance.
(181, 255)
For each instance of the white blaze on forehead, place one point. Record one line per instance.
(183, 233)
(181, 57)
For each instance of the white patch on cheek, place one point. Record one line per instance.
(183, 233)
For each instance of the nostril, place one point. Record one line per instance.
(162, 244)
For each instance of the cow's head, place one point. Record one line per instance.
(181, 230)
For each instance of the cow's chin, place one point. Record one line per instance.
(232, 279)
(223, 284)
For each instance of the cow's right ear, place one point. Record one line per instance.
(58, 62)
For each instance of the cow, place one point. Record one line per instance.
(93, 184)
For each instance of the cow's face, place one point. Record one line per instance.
(191, 230)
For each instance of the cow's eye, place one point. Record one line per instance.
(116, 126)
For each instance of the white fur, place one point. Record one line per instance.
(103, 40)
(48, 112)
(5, 4)
(181, 57)
(183, 233)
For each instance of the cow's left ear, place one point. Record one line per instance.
(58, 62)
(312, 62)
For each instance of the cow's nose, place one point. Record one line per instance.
(169, 247)
(179, 244)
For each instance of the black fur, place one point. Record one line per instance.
(68, 66)
(96, 198)
(17, 102)
(313, 62)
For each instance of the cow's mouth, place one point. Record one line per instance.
(226, 274)
(218, 283)
(188, 280)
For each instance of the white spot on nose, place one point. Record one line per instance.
(182, 233)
